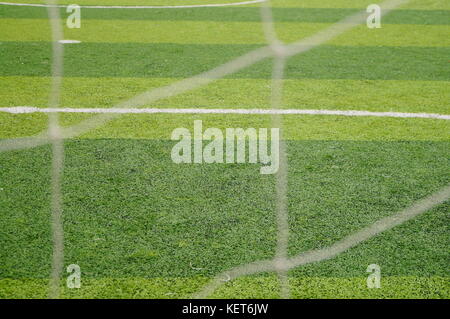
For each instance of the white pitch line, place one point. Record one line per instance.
(135, 7)
(30, 109)
(200, 80)
(69, 41)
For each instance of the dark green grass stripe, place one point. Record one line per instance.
(178, 60)
(25, 232)
(130, 212)
(328, 15)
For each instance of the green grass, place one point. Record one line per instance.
(138, 224)
(248, 287)
(179, 60)
(416, 4)
(373, 95)
(130, 212)
(120, 31)
(295, 127)
(236, 14)
(137, 2)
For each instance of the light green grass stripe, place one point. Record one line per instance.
(370, 95)
(210, 32)
(119, 31)
(396, 35)
(133, 2)
(114, 31)
(247, 287)
(160, 126)
(413, 4)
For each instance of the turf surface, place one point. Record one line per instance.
(139, 225)
(174, 60)
(130, 212)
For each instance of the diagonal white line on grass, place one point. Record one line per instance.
(31, 109)
(339, 247)
(136, 7)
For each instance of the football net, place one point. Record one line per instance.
(279, 52)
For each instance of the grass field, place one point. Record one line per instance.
(141, 226)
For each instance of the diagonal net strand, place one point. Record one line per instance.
(339, 247)
(57, 143)
(199, 80)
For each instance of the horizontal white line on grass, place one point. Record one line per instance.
(69, 41)
(30, 109)
(136, 7)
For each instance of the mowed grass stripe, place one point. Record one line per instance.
(135, 2)
(181, 61)
(236, 14)
(205, 32)
(372, 95)
(259, 287)
(426, 4)
(390, 35)
(415, 4)
(310, 127)
(120, 197)
(412, 4)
